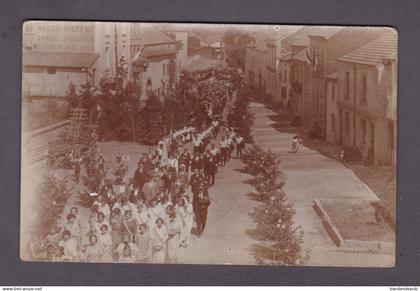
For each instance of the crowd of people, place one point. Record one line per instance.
(150, 216)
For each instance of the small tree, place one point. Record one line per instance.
(73, 100)
(52, 195)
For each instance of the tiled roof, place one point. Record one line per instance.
(58, 59)
(374, 52)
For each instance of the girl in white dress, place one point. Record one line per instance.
(74, 228)
(69, 246)
(159, 237)
(105, 241)
(186, 215)
(173, 226)
(96, 226)
(93, 252)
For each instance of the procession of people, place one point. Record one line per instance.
(151, 215)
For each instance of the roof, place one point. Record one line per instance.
(151, 36)
(301, 56)
(304, 41)
(59, 59)
(284, 55)
(326, 31)
(301, 36)
(374, 52)
(157, 51)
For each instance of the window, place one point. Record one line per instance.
(333, 92)
(347, 86)
(347, 123)
(364, 90)
(163, 69)
(363, 126)
(332, 122)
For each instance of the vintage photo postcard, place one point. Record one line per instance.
(208, 144)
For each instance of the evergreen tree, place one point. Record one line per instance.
(240, 116)
(274, 217)
(150, 124)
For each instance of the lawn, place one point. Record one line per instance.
(355, 220)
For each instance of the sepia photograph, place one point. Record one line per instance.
(227, 144)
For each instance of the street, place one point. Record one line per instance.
(311, 175)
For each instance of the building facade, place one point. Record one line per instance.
(154, 61)
(255, 66)
(271, 66)
(367, 99)
(300, 82)
(331, 109)
(112, 43)
(283, 83)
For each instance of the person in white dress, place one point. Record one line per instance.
(105, 241)
(103, 207)
(159, 236)
(74, 228)
(155, 211)
(96, 226)
(126, 242)
(174, 226)
(69, 246)
(185, 212)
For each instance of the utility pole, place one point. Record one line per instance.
(116, 56)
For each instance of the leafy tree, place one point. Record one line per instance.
(52, 195)
(234, 42)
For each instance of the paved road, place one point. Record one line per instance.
(311, 175)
